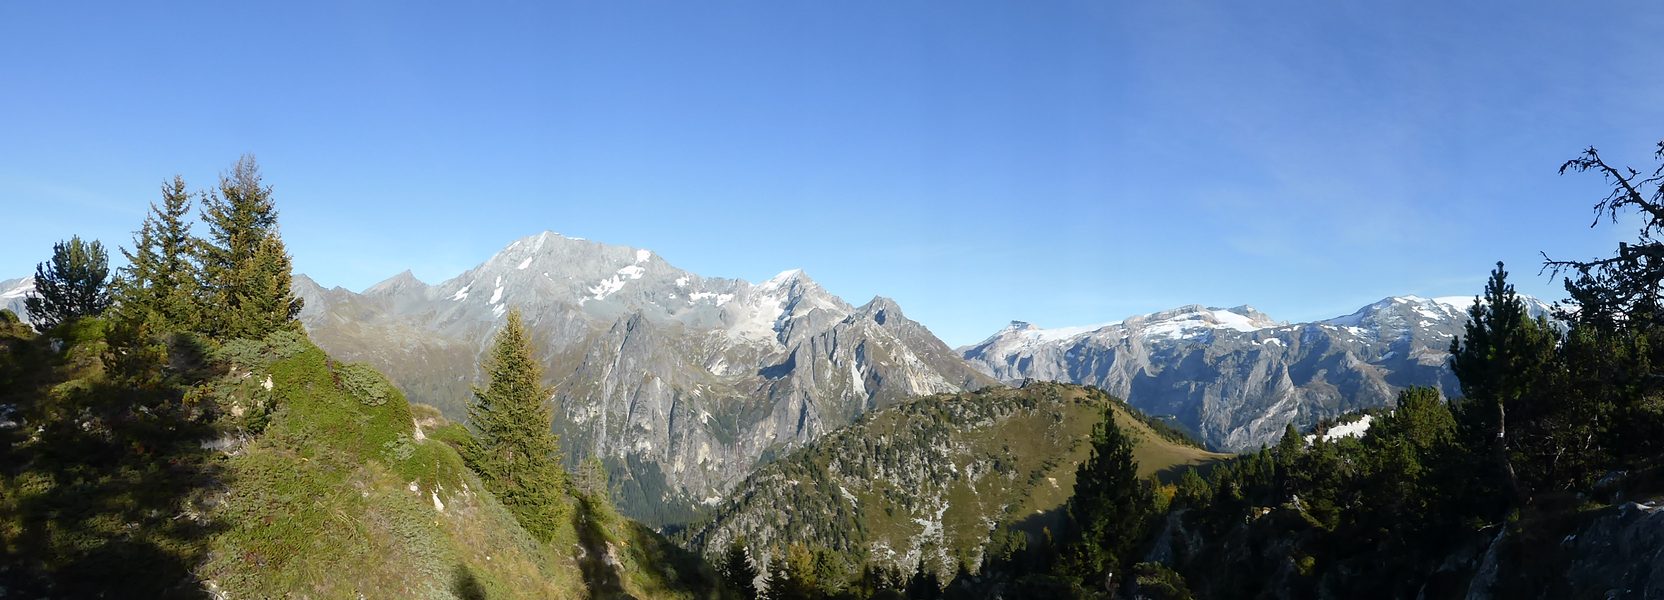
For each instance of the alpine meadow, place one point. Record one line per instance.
(210, 388)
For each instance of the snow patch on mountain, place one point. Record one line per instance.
(1346, 430)
(623, 275)
(24, 286)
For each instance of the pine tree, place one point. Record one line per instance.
(1499, 361)
(737, 571)
(245, 269)
(1110, 506)
(73, 284)
(1616, 312)
(158, 288)
(515, 450)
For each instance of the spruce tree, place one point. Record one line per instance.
(245, 269)
(1110, 506)
(74, 284)
(515, 450)
(737, 571)
(158, 287)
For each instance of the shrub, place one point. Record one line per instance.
(241, 353)
(285, 343)
(365, 384)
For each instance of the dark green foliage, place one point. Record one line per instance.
(737, 571)
(73, 284)
(245, 269)
(1403, 511)
(515, 451)
(1504, 361)
(104, 482)
(1621, 291)
(158, 290)
(924, 584)
(1616, 317)
(1110, 507)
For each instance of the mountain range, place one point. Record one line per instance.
(1235, 377)
(682, 384)
(679, 382)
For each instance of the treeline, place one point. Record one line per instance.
(1556, 417)
(106, 461)
(233, 283)
(111, 420)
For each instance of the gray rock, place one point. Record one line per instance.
(12, 293)
(680, 382)
(1235, 376)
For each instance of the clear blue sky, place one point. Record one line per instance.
(1056, 162)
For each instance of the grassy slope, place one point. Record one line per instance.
(335, 497)
(339, 498)
(933, 478)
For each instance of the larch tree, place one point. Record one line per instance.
(158, 288)
(245, 269)
(514, 448)
(73, 284)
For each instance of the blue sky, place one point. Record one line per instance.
(1056, 162)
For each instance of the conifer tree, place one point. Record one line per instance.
(245, 269)
(158, 288)
(515, 450)
(1616, 316)
(738, 572)
(1498, 361)
(74, 284)
(1110, 506)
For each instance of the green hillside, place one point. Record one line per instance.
(932, 480)
(279, 472)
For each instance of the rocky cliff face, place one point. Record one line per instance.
(12, 293)
(1236, 376)
(680, 382)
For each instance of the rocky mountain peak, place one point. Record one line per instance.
(405, 281)
(882, 309)
(687, 379)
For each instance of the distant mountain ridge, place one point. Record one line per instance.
(1236, 376)
(680, 382)
(683, 382)
(12, 293)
